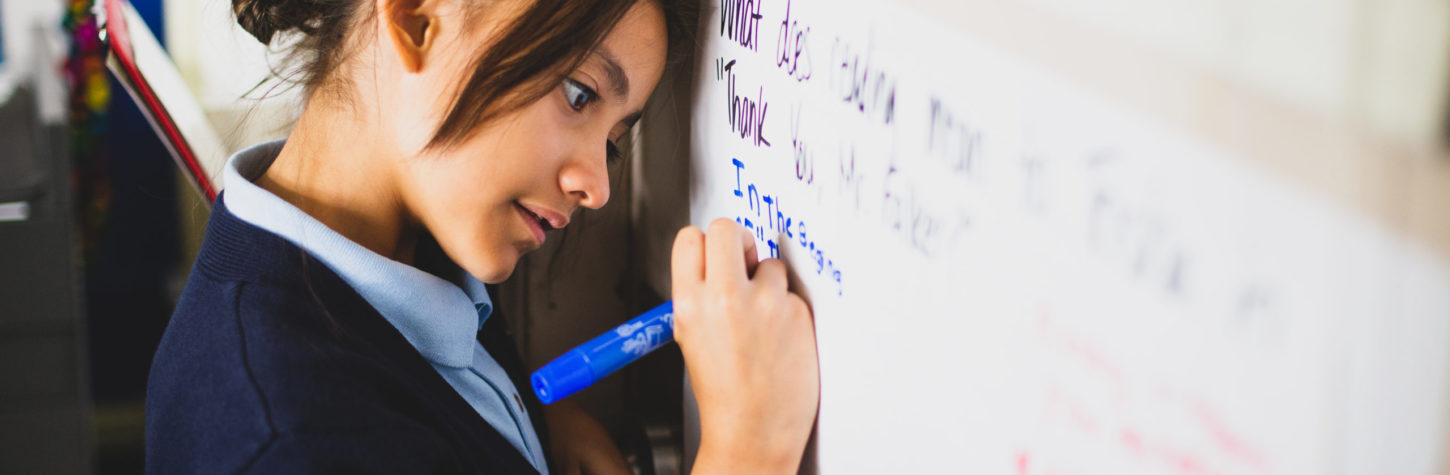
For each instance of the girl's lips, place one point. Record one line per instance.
(532, 221)
(548, 218)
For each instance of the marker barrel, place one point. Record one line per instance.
(605, 354)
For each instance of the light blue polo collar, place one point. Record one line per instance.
(440, 318)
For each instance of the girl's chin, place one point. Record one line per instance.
(494, 268)
(497, 274)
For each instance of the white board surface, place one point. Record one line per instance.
(1011, 274)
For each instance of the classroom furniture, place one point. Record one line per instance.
(45, 414)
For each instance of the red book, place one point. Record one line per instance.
(148, 75)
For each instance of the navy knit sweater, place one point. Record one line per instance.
(273, 364)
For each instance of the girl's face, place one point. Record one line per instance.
(492, 198)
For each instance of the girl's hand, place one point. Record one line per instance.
(749, 345)
(579, 444)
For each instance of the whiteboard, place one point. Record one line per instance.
(1012, 274)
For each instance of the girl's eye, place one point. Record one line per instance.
(577, 94)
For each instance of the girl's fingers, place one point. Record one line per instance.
(770, 275)
(798, 306)
(687, 260)
(752, 253)
(725, 242)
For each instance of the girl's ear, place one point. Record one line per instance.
(411, 25)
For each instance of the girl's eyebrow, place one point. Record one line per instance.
(614, 73)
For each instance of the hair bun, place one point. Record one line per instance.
(264, 19)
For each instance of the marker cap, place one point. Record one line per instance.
(604, 354)
(565, 375)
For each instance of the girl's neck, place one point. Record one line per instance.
(334, 169)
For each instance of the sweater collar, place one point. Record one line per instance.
(440, 316)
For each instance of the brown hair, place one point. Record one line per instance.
(533, 51)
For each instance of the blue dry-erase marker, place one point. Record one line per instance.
(592, 361)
